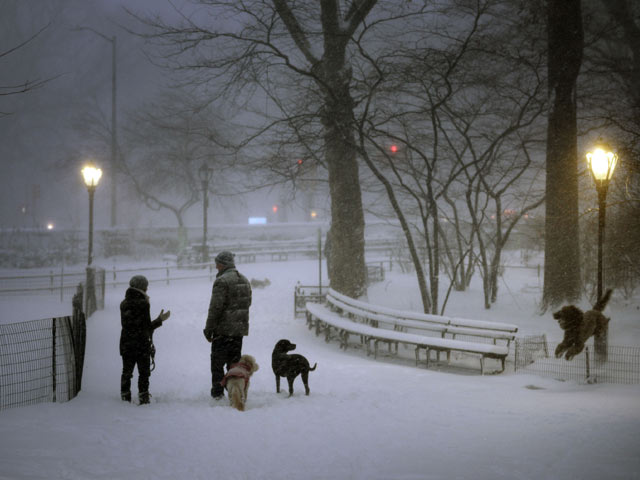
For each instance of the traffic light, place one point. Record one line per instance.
(393, 148)
(275, 209)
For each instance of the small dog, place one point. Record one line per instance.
(237, 381)
(579, 326)
(290, 366)
(255, 283)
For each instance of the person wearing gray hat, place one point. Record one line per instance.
(136, 342)
(227, 319)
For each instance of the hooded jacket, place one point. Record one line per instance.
(137, 327)
(229, 305)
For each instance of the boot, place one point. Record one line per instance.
(126, 396)
(144, 398)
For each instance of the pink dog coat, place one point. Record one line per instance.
(240, 370)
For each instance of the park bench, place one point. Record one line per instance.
(405, 320)
(343, 317)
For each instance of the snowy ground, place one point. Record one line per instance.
(364, 419)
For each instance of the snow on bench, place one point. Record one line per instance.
(424, 321)
(323, 318)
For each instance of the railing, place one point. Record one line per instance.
(64, 283)
(534, 354)
(42, 360)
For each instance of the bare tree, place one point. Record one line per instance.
(299, 45)
(23, 86)
(166, 141)
(461, 128)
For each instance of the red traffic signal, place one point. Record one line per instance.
(275, 209)
(393, 148)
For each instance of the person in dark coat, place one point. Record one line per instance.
(228, 319)
(136, 338)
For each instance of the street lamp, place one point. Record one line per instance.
(91, 176)
(204, 173)
(602, 162)
(114, 141)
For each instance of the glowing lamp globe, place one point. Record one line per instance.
(91, 175)
(602, 162)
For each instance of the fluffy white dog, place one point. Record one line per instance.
(237, 381)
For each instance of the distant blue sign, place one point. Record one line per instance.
(257, 220)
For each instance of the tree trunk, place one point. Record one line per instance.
(562, 257)
(348, 270)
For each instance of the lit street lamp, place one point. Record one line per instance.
(602, 162)
(114, 141)
(204, 173)
(91, 176)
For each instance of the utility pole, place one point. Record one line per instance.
(114, 138)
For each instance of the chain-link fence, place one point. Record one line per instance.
(534, 354)
(42, 360)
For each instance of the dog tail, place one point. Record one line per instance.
(602, 302)
(314, 367)
(236, 399)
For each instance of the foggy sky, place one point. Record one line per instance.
(40, 182)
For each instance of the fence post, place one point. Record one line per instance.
(586, 356)
(62, 281)
(51, 280)
(114, 276)
(167, 274)
(53, 357)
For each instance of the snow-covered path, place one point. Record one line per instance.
(364, 419)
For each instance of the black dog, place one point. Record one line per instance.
(290, 366)
(578, 326)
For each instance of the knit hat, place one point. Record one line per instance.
(225, 258)
(140, 282)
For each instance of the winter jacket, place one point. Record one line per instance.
(229, 306)
(238, 370)
(137, 327)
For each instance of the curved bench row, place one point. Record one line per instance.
(346, 316)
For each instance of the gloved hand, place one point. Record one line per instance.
(164, 315)
(208, 334)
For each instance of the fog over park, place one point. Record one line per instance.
(63, 63)
(455, 171)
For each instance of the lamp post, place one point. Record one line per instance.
(602, 162)
(114, 159)
(91, 176)
(204, 173)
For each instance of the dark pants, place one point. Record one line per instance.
(224, 351)
(144, 371)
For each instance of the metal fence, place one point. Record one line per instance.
(42, 360)
(534, 354)
(65, 284)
